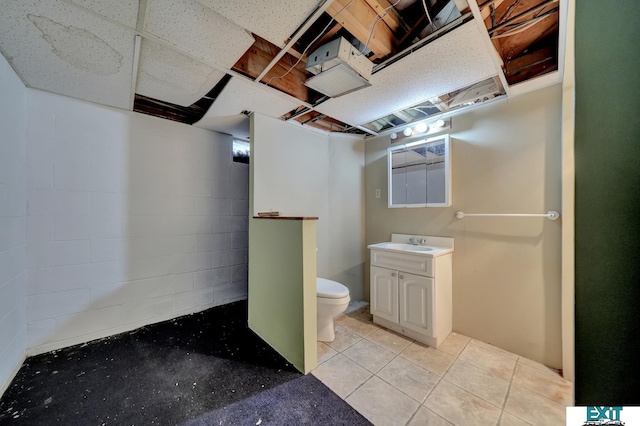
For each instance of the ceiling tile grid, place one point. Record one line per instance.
(61, 48)
(455, 60)
(124, 12)
(198, 30)
(170, 76)
(273, 20)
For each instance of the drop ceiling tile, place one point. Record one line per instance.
(451, 62)
(170, 76)
(60, 48)
(273, 20)
(243, 95)
(122, 11)
(235, 125)
(197, 30)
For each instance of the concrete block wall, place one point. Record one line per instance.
(131, 220)
(13, 322)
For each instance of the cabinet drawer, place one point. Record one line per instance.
(419, 265)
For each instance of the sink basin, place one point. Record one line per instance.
(404, 247)
(419, 248)
(400, 244)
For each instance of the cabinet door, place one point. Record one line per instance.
(384, 293)
(416, 302)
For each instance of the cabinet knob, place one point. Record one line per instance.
(393, 274)
(401, 277)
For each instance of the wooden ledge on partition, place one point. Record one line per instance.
(286, 217)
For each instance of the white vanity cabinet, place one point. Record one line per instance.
(402, 298)
(411, 293)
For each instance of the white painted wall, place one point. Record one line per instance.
(131, 220)
(346, 257)
(13, 322)
(506, 271)
(303, 172)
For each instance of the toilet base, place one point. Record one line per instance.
(325, 331)
(328, 309)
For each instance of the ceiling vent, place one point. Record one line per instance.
(339, 69)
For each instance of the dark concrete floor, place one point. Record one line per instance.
(168, 373)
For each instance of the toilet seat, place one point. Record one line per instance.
(331, 289)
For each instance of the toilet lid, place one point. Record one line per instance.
(331, 289)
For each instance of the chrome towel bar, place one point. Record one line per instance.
(551, 215)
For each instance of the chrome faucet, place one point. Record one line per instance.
(415, 241)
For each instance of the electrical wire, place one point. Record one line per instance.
(424, 3)
(373, 26)
(311, 44)
(516, 30)
(520, 27)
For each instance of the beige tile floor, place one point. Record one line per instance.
(393, 380)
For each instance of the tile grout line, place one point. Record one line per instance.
(357, 387)
(396, 355)
(414, 414)
(377, 344)
(466, 343)
(504, 404)
(439, 380)
(372, 374)
(399, 390)
(341, 353)
(488, 371)
(529, 390)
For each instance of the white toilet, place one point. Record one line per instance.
(333, 299)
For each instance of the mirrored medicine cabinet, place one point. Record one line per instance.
(420, 173)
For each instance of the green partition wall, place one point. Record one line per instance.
(282, 282)
(607, 153)
(282, 288)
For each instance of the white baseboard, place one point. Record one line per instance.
(12, 376)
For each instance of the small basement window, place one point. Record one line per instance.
(241, 151)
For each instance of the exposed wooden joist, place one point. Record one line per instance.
(357, 17)
(321, 121)
(530, 65)
(485, 9)
(522, 15)
(389, 14)
(260, 55)
(520, 31)
(512, 46)
(510, 10)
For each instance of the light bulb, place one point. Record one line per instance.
(421, 128)
(408, 131)
(440, 123)
(393, 136)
